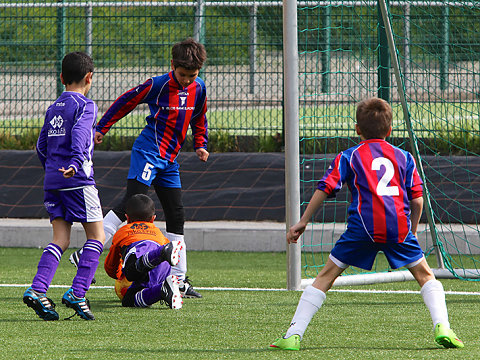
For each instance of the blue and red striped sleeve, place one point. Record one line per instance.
(333, 179)
(414, 181)
(124, 104)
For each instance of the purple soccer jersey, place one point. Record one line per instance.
(66, 140)
(382, 179)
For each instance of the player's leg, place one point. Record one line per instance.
(84, 206)
(166, 292)
(171, 200)
(169, 252)
(143, 257)
(409, 254)
(311, 300)
(434, 298)
(35, 296)
(92, 249)
(150, 285)
(51, 256)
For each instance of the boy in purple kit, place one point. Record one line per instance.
(385, 209)
(65, 149)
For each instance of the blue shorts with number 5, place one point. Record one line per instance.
(149, 169)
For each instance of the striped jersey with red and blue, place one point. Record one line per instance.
(382, 179)
(172, 109)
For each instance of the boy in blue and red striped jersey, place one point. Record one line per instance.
(65, 149)
(176, 100)
(384, 213)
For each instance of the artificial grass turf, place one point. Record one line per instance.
(229, 324)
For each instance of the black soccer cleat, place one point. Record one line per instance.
(187, 291)
(43, 306)
(80, 305)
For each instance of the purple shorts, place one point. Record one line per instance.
(158, 274)
(74, 205)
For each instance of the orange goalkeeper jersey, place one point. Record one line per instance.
(125, 236)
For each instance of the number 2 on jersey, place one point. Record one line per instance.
(382, 188)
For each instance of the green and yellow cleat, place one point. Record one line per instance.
(290, 343)
(445, 337)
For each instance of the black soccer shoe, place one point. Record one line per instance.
(80, 305)
(43, 306)
(187, 291)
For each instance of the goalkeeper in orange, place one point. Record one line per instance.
(142, 255)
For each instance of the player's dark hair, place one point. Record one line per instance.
(188, 54)
(75, 66)
(140, 207)
(374, 118)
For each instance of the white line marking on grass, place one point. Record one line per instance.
(366, 291)
(361, 291)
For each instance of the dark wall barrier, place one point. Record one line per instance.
(230, 186)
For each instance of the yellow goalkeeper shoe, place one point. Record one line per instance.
(445, 337)
(290, 343)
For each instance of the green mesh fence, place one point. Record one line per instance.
(344, 58)
(130, 42)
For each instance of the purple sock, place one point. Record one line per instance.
(87, 265)
(150, 260)
(148, 296)
(47, 266)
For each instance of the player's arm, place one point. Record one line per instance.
(328, 186)
(121, 107)
(199, 126)
(41, 146)
(81, 132)
(112, 261)
(414, 186)
(315, 202)
(416, 207)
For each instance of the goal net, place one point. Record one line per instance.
(430, 75)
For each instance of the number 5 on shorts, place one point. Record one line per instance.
(147, 171)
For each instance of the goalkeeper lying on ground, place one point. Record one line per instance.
(143, 256)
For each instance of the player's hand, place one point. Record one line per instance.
(67, 173)
(294, 233)
(202, 154)
(98, 137)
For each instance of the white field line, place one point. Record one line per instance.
(361, 291)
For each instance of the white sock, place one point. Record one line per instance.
(111, 223)
(309, 303)
(181, 268)
(434, 297)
